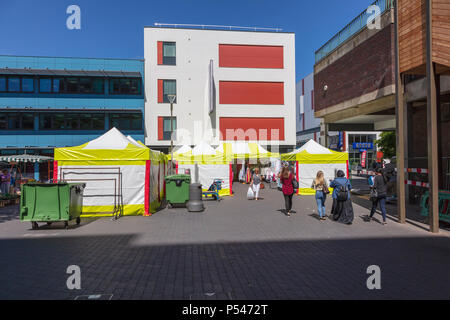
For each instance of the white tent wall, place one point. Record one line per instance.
(99, 191)
(207, 173)
(161, 179)
(307, 173)
(154, 192)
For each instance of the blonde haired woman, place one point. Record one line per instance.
(321, 187)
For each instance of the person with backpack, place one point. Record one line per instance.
(378, 195)
(288, 188)
(342, 210)
(320, 185)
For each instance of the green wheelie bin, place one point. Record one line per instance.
(177, 189)
(48, 202)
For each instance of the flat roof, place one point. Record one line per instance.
(59, 57)
(212, 28)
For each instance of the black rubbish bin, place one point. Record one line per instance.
(195, 203)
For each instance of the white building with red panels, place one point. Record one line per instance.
(229, 84)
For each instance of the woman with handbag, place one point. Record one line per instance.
(286, 178)
(320, 185)
(256, 183)
(378, 195)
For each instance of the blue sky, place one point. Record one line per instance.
(114, 29)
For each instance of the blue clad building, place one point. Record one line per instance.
(48, 102)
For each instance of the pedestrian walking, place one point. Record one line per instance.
(342, 210)
(320, 185)
(256, 183)
(5, 179)
(286, 178)
(378, 195)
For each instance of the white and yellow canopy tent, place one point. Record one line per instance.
(205, 164)
(122, 176)
(311, 158)
(245, 150)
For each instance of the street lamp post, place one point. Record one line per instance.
(171, 98)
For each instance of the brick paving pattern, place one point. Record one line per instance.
(235, 249)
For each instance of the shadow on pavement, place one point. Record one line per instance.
(411, 268)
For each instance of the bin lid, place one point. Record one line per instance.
(176, 177)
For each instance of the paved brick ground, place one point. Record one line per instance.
(236, 249)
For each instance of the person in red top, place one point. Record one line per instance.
(286, 178)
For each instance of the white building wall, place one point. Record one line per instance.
(304, 109)
(194, 49)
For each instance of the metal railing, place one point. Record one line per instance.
(356, 25)
(217, 27)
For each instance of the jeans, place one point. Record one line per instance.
(382, 201)
(4, 187)
(288, 201)
(320, 199)
(256, 188)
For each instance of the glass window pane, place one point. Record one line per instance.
(136, 122)
(58, 85)
(45, 85)
(98, 86)
(13, 121)
(13, 84)
(85, 85)
(135, 86)
(2, 84)
(169, 49)
(98, 122)
(114, 86)
(169, 87)
(27, 121)
(125, 86)
(71, 121)
(72, 85)
(120, 121)
(85, 121)
(166, 128)
(169, 53)
(27, 84)
(45, 122)
(3, 121)
(364, 138)
(58, 121)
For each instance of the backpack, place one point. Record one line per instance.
(342, 194)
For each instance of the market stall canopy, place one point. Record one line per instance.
(245, 150)
(25, 158)
(201, 153)
(112, 145)
(312, 152)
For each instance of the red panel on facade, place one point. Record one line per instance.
(250, 56)
(303, 87)
(251, 92)
(160, 91)
(160, 52)
(160, 128)
(312, 99)
(252, 128)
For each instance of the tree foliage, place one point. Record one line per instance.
(387, 144)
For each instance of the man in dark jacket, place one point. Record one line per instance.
(380, 193)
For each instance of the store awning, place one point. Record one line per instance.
(25, 158)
